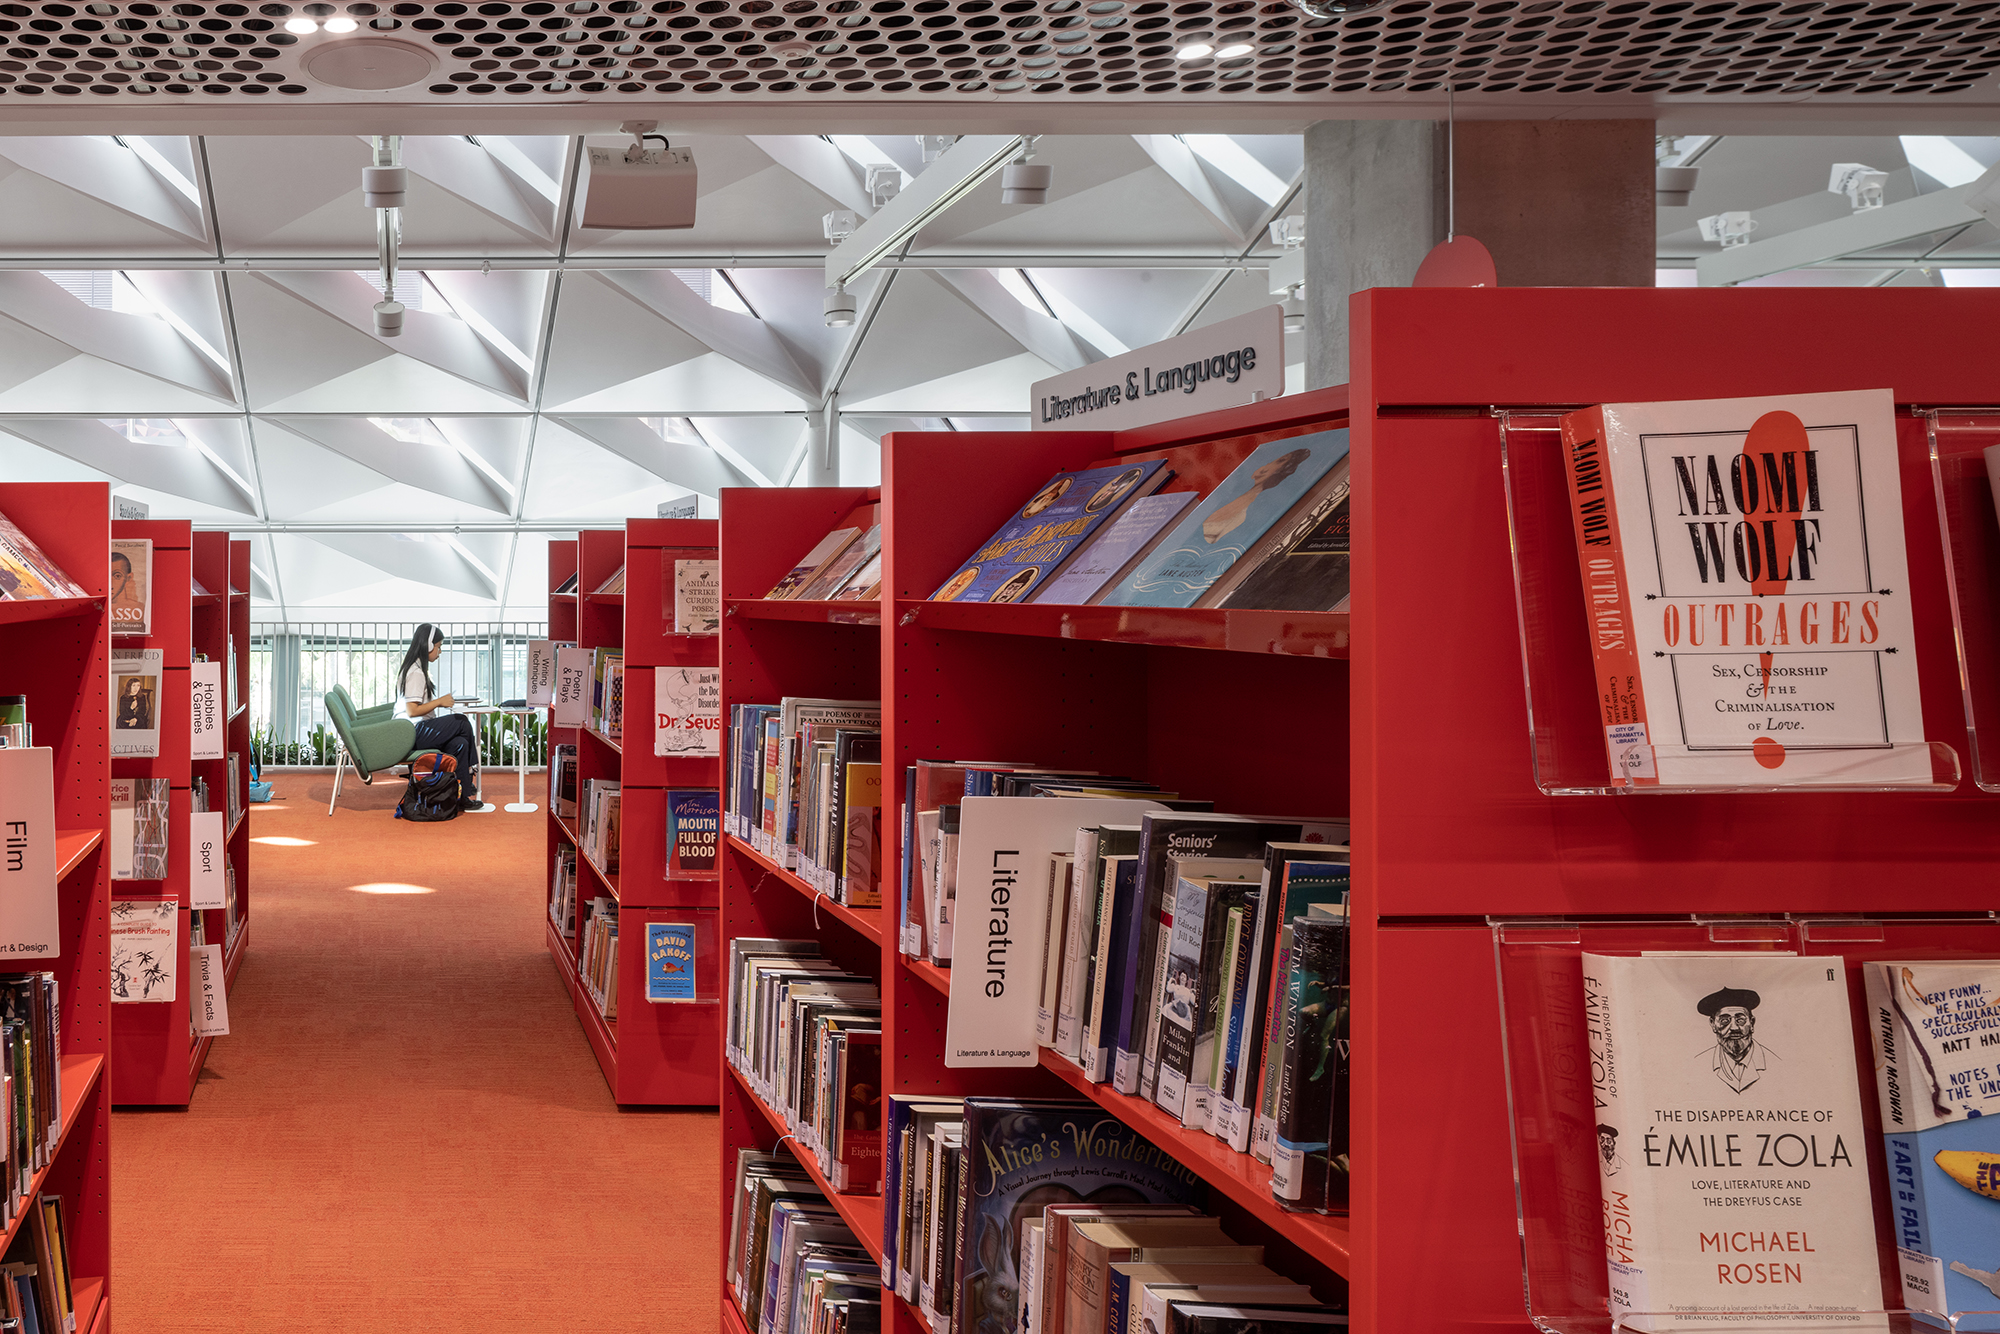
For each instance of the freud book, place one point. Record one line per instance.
(1747, 590)
(1730, 1145)
(1934, 1027)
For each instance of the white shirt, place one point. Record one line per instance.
(412, 692)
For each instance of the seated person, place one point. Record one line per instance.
(418, 701)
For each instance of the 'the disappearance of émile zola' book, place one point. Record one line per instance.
(1936, 1027)
(1747, 590)
(1731, 1148)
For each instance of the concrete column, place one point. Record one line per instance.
(1558, 203)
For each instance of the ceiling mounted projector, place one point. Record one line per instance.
(640, 186)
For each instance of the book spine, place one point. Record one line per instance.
(1612, 1090)
(1162, 927)
(910, 941)
(954, 1292)
(1304, 1094)
(1614, 649)
(1117, 1302)
(1074, 959)
(1115, 927)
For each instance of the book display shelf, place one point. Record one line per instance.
(651, 1054)
(1170, 695)
(57, 653)
(222, 631)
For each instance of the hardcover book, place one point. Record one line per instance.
(144, 950)
(1111, 555)
(1731, 1148)
(697, 586)
(1934, 1026)
(1310, 573)
(831, 578)
(825, 550)
(687, 711)
(26, 574)
(1315, 505)
(136, 698)
(1747, 590)
(670, 961)
(132, 586)
(1045, 535)
(694, 830)
(1258, 496)
(1309, 1154)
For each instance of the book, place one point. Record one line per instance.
(861, 820)
(562, 779)
(1117, 923)
(568, 585)
(694, 831)
(856, 1151)
(1309, 1154)
(1042, 537)
(697, 592)
(1118, 547)
(136, 676)
(613, 584)
(1161, 1287)
(1729, 1139)
(144, 950)
(830, 578)
(26, 573)
(1933, 1024)
(1310, 573)
(1095, 1246)
(823, 551)
(865, 584)
(1080, 930)
(1304, 514)
(670, 950)
(1747, 590)
(1261, 494)
(1296, 876)
(1187, 991)
(1202, 1318)
(131, 601)
(1059, 1221)
(138, 828)
(687, 711)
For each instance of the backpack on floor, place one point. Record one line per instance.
(431, 796)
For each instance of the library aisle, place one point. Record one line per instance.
(404, 1120)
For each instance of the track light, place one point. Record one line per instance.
(341, 25)
(840, 224)
(384, 187)
(1673, 185)
(839, 308)
(389, 318)
(1861, 183)
(301, 26)
(1021, 182)
(1729, 229)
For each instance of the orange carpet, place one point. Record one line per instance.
(406, 1128)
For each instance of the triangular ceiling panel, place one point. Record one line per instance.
(956, 337)
(1000, 386)
(575, 479)
(710, 383)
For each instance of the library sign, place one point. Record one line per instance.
(1222, 365)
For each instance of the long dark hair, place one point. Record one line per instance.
(426, 638)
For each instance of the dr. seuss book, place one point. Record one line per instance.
(1935, 1027)
(1046, 533)
(1024, 1156)
(670, 961)
(687, 711)
(1747, 591)
(1730, 1146)
(1261, 494)
(694, 830)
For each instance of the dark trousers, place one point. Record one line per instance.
(452, 734)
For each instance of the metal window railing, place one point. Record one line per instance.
(293, 665)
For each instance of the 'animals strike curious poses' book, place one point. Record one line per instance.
(1935, 1026)
(1730, 1143)
(1747, 590)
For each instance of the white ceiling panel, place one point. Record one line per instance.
(87, 196)
(575, 479)
(956, 337)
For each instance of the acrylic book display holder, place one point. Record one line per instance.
(1566, 737)
(1551, 1113)
(1959, 438)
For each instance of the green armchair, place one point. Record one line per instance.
(370, 739)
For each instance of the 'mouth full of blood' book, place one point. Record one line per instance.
(1747, 591)
(1731, 1151)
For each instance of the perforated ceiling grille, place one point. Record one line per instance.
(589, 49)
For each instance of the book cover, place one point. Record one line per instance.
(131, 586)
(1935, 1024)
(1310, 574)
(823, 551)
(865, 584)
(136, 675)
(1046, 533)
(694, 830)
(697, 592)
(1730, 1141)
(1296, 876)
(861, 800)
(1309, 1156)
(1747, 588)
(1111, 555)
(26, 573)
(1025, 1156)
(670, 961)
(1304, 514)
(144, 948)
(687, 711)
(834, 576)
(858, 1111)
(1187, 1010)
(1230, 520)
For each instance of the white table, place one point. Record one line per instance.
(524, 712)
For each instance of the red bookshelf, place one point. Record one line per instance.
(157, 1061)
(652, 1054)
(57, 653)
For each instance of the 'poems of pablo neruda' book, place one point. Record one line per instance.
(1747, 590)
(1935, 1029)
(1731, 1149)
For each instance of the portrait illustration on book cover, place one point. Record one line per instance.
(135, 703)
(1737, 1058)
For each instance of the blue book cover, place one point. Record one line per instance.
(670, 961)
(1025, 1156)
(1934, 1025)
(1046, 533)
(1230, 520)
(1111, 555)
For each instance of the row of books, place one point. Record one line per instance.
(607, 694)
(562, 891)
(30, 1079)
(39, 1294)
(794, 1267)
(805, 782)
(562, 779)
(598, 825)
(988, 1227)
(597, 953)
(26, 572)
(844, 565)
(807, 1036)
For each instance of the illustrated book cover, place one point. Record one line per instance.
(1259, 495)
(687, 709)
(132, 586)
(144, 950)
(26, 573)
(136, 700)
(1747, 591)
(1042, 537)
(1731, 1148)
(1110, 555)
(694, 831)
(670, 961)
(697, 592)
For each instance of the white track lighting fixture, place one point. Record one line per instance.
(1021, 182)
(1728, 229)
(885, 182)
(840, 224)
(1861, 183)
(839, 308)
(933, 145)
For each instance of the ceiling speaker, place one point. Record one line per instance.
(368, 65)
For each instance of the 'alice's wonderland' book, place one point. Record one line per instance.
(1263, 492)
(1731, 1150)
(1935, 1026)
(670, 961)
(1024, 1156)
(1041, 538)
(1747, 591)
